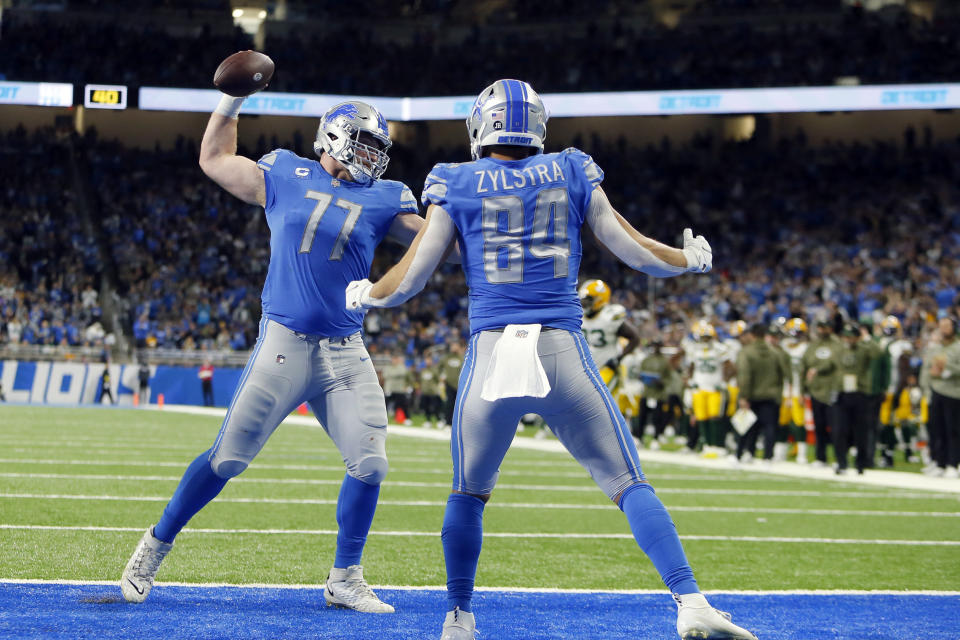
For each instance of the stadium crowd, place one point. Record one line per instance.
(797, 230)
(610, 53)
(836, 233)
(50, 265)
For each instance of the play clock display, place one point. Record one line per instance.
(105, 96)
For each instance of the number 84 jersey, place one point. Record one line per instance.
(323, 233)
(518, 223)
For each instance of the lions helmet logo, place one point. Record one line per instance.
(346, 109)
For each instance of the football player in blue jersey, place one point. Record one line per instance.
(518, 215)
(326, 218)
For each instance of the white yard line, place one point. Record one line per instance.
(436, 534)
(881, 478)
(508, 505)
(182, 464)
(500, 487)
(264, 585)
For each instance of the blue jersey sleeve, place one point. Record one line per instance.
(435, 186)
(588, 175)
(408, 202)
(277, 165)
(585, 166)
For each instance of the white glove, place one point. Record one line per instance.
(698, 253)
(358, 295)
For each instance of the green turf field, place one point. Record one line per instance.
(77, 487)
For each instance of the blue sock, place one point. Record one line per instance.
(462, 538)
(198, 486)
(656, 534)
(355, 507)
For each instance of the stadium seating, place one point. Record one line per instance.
(796, 230)
(407, 48)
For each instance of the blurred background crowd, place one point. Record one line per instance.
(862, 231)
(837, 233)
(557, 47)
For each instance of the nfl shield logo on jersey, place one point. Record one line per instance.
(281, 358)
(522, 333)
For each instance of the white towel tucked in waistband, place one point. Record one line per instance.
(514, 370)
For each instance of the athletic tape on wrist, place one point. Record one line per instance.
(229, 106)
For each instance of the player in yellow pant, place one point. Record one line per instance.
(708, 409)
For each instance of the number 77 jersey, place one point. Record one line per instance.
(323, 233)
(519, 227)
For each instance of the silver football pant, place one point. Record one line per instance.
(578, 409)
(334, 375)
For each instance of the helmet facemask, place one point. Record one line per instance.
(344, 134)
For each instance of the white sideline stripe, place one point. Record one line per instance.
(513, 505)
(266, 585)
(436, 534)
(516, 487)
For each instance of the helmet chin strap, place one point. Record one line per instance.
(334, 167)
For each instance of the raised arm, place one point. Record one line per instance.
(408, 277)
(238, 175)
(640, 252)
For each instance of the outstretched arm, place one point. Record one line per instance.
(405, 228)
(643, 253)
(408, 277)
(219, 160)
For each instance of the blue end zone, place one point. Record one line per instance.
(90, 611)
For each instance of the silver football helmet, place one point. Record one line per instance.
(508, 112)
(339, 135)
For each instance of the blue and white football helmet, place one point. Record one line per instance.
(339, 135)
(508, 112)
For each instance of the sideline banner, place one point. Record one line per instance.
(75, 383)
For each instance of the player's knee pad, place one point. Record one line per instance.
(228, 467)
(371, 470)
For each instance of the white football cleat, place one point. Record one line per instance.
(459, 625)
(700, 621)
(346, 588)
(137, 579)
